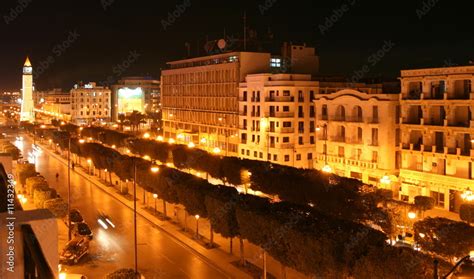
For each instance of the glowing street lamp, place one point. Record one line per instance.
(203, 140)
(81, 141)
(146, 136)
(191, 145)
(412, 215)
(385, 180)
(147, 157)
(155, 169)
(216, 150)
(160, 138)
(197, 226)
(468, 195)
(171, 141)
(327, 169)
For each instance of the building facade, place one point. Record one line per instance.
(90, 103)
(437, 134)
(200, 98)
(357, 134)
(277, 119)
(135, 94)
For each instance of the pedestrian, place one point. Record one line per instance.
(72, 165)
(57, 176)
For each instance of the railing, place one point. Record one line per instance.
(287, 130)
(280, 99)
(280, 114)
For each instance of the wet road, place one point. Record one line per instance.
(159, 255)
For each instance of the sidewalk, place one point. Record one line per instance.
(215, 257)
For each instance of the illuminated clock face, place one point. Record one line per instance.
(27, 70)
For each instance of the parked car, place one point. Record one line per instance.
(74, 251)
(82, 230)
(75, 217)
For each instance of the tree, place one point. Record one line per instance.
(136, 118)
(24, 171)
(124, 273)
(35, 182)
(423, 203)
(466, 213)
(43, 194)
(444, 237)
(57, 206)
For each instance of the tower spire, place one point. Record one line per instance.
(27, 62)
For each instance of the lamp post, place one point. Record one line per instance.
(468, 273)
(155, 196)
(69, 188)
(197, 226)
(135, 215)
(327, 168)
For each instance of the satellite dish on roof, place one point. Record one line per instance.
(221, 44)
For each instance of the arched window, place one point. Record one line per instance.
(341, 113)
(357, 114)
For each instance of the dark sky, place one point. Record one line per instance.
(443, 35)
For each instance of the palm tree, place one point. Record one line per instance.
(155, 118)
(136, 118)
(121, 119)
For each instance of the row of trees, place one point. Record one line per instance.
(39, 191)
(297, 235)
(350, 200)
(7, 147)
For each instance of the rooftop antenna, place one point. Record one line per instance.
(245, 30)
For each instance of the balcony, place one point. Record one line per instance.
(280, 114)
(338, 139)
(242, 99)
(255, 99)
(287, 130)
(243, 113)
(280, 99)
(465, 124)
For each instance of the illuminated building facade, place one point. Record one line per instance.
(90, 103)
(437, 134)
(27, 106)
(358, 134)
(140, 94)
(200, 98)
(277, 119)
(53, 103)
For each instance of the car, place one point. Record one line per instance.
(105, 222)
(64, 275)
(75, 216)
(82, 230)
(74, 251)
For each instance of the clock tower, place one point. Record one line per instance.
(27, 105)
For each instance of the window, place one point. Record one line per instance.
(286, 139)
(300, 140)
(311, 127)
(287, 158)
(286, 108)
(255, 154)
(311, 111)
(375, 114)
(341, 151)
(269, 157)
(242, 152)
(301, 127)
(300, 96)
(438, 197)
(298, 157)
(375, 156)
(275, 157)
(248, 152)
(300, 111)
(287, 124)
(275, 62)
(310, 156)
(375, 137)
(311, 139)
(324, 112)
(260, 155)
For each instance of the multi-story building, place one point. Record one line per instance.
(358, 134)
(437, 134)
(135, 94)
(200, 98)
(54, 103)
(90, 103)
(277, 119)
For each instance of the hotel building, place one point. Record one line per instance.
(200, 98)
(90, 103)
(358, 134)
(437, 134)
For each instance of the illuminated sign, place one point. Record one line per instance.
(131, 100)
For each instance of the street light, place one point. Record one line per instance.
(216, 150)
(155, 196)
(197, 226)
(327, 169)
(385, 180)
(171, 141)
(160, 138)
(155, 169)
(191, 145)
(468, 195)
(146, 136)
(412, 215)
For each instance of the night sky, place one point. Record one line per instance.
(102, 34)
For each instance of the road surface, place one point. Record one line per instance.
(159, 255)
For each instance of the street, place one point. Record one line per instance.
(159, 256)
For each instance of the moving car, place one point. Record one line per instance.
(74, 250)
(105, 222)
(82, 230)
